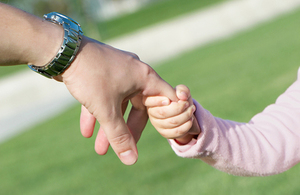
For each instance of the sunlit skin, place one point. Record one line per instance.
(103, 79)
(174, 120)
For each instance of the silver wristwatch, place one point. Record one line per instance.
(67, 52)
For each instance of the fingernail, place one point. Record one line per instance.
(194, 108)
(186, 105)
(128, 157)
(184, 94)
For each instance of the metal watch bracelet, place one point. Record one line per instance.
(68, 50)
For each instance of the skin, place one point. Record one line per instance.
(102, 78)
(174, 120)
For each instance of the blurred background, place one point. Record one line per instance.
(89, 12)
(235, 64)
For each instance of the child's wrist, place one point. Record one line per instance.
(186, 139)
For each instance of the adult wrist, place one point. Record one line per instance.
(46, 41)
(67, 51)
(80, 54)
(25, 38)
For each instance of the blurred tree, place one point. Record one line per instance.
(89, 13)
(77, 9)
(84, 8)
(42, 7)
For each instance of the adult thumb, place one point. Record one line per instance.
(121, 139)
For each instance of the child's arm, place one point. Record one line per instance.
(174, 120)
(267, 145)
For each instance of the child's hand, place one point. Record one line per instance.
(174, 120)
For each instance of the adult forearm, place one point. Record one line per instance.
(102, 78)
(27, 39)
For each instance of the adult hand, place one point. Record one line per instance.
(103, 79)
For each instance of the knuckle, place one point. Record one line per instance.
(182, 130)
(135, 56)
(166, 134)
(149, 70)
(150, 75)
(179, 132)
(181, 107)
(120, 139)
(132, 59)
(131, 54)
(190, 112)
(161, 113)
(173, 122)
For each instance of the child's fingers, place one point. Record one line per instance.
(163, 112)
(195, 129)
(175, 121)
(183, 92)
(185, 139)
(177, 132)
(153, 101)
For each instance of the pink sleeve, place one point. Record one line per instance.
(269, 144)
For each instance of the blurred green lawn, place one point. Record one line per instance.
(156, 12)
(233, 78)
(153, 13)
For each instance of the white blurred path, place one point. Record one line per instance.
(27, 98)
(187, 32)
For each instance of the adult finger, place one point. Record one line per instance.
(152, 101)
(101, 143)
(122, 142)
(136, 122)
(87, 122)
(124, 107)
(156, 86)
(137, 118)
(118, 134)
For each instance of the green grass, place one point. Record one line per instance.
(7, 70)
(248, 71)
(156, 12)
(233, 78)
